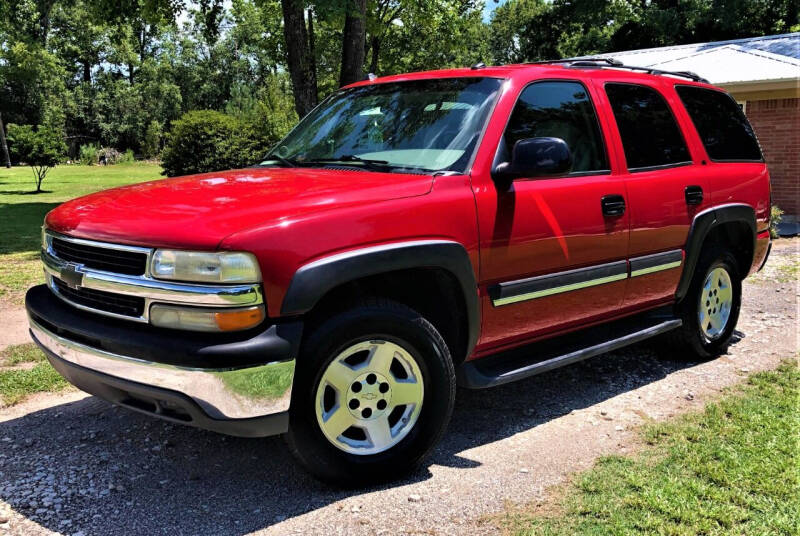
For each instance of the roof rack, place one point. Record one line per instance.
(616, 64)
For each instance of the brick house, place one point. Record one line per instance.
(763, 75)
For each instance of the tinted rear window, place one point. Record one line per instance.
(650, 135)
(722, 126)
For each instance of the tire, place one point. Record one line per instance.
(397, 347)
(716, 269)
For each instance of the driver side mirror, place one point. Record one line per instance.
(535, 157)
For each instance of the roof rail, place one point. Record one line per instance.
(612, 63)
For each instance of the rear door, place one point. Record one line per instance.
(550, 258)
(666, 187)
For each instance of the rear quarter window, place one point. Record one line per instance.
(724, 130)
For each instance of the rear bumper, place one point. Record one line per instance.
(239, 387)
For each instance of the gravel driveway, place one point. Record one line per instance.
(73, 464)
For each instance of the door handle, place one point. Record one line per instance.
(693, 195)
(613, 205)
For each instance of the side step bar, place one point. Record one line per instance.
(540, 357)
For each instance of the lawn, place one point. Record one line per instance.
(22, 212)
(18, 381)
(733, 469)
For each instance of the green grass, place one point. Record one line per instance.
(22, 213)
(21, 353)
(16, 384)
(733, 469)
(270, 382)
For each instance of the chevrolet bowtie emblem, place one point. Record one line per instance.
(369, 396)
(71, 276)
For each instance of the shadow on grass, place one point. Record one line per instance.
(21, 226)
(175, 479)
(18, 192)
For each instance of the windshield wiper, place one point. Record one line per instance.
(348, 158)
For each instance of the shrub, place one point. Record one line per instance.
(109, 156)
(152, 139)
(775, 217)
(127, 157)
(203, 141)
(42, 148)
(87, 155)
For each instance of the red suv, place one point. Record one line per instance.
(407, 235)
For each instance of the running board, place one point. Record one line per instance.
(564, 350)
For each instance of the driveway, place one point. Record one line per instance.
(73, 464)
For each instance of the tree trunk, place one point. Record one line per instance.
(299, 58)
(353, 43)
(87, 72)
(376, 49)
(3, 143)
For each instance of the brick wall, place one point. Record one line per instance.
(777, 125)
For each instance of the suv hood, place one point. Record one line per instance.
(199, 211)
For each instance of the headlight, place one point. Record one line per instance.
(205, 267)
(205, 319)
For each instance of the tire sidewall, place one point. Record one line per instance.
(401, 326)
(701, 344)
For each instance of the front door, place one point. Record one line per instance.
(551, 256)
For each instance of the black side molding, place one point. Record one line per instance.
(314, 280)
(703, 223)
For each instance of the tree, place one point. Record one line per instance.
(300, 54)
(353, 41)
(41, 148)
(6, 157)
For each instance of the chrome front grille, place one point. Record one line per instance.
(114, 280)
(101, 258)
(117, 304)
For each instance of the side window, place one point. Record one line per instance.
(722, 126)
(560, 110)
(650, 135)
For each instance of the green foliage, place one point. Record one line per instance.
(127, 157)
(20, 353)
(151, 145)
(775, 217)
(88, 155)
(212, 141)
(41, 148)
(204, 141)
(732, 469)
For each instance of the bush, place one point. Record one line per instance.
(42, 148)
(109, 156)
(205, 141)
(775, 217)
(127, 157)
(87, 155)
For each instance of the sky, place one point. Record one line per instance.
(490, 6)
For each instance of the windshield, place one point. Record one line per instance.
(424, 125)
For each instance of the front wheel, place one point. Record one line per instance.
(373, 394)
(710, 309)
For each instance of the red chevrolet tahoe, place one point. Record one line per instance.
(411, 234)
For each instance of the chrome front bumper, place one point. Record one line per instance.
(222, 394)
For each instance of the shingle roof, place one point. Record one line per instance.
(772, 57)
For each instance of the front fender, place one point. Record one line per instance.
(312, 281)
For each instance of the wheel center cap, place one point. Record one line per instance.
(369, 395)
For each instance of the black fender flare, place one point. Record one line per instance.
(702, 224)
(312, 281)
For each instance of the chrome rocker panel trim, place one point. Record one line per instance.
(152, 290)
(214, 390)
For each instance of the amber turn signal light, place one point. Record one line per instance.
(239, 319)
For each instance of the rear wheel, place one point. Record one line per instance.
(710, 309)
(373, 394)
